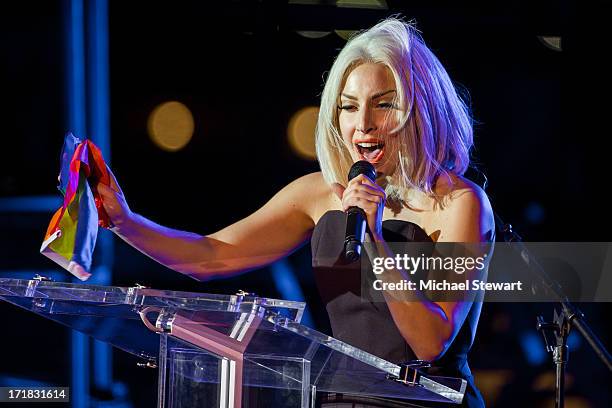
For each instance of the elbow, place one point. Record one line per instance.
(434, 349)
(432, 352)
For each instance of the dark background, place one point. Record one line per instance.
(243, 70)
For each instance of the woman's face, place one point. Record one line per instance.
(368, 115)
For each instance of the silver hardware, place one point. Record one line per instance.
(150, 361)
(409, 372)
(39, 303)
(148, 364)
(164, 321)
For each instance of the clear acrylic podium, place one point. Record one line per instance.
(226, 351)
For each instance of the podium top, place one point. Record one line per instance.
(131, 318)
(111, 313)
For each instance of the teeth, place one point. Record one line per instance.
(366, 145)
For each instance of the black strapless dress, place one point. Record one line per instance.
(369, 325)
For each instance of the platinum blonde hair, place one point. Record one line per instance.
(434, 135)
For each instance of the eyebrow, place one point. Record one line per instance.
(375, 96)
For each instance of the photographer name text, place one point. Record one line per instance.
(444, 285)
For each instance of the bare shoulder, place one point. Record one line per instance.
(310, 180)
(457, 190)
(310, 192)
(464, 199)
(286, 218)
(309, 186)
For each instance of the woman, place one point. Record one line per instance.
(389, 101)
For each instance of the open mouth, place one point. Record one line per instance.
(370, 151)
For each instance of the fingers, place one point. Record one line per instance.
(113, 181)
(362, 192)
(366, 203)
(105, 191)
(108, 195)
(363, 179)
(363, 184)
(114, 202)
(363, 189)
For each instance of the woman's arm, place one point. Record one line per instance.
(273, 231)
(428, 327)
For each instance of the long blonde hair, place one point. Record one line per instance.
(435, 133)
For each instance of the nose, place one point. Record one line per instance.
(365, 123)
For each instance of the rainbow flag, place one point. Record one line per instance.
(71, 236)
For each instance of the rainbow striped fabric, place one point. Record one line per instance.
(71, 236)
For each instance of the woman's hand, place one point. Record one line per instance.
(364, 193)
(114, 202)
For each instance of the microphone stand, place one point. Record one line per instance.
(555, 332)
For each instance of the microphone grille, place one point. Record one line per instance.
(362, 167)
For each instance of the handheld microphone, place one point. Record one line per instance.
(355, 217)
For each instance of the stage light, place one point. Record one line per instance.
(366, 4)
(363, 4)
(314, 34)
(552, 42)
(345, 4)
(345, 34)
(301, 132)
(170, 126)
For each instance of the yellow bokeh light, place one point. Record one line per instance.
(170, 126)
(301, 132)
(314, 34)
(345, 34)
(364, 4)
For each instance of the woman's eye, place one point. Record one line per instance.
(386, 105)
(347, 107)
